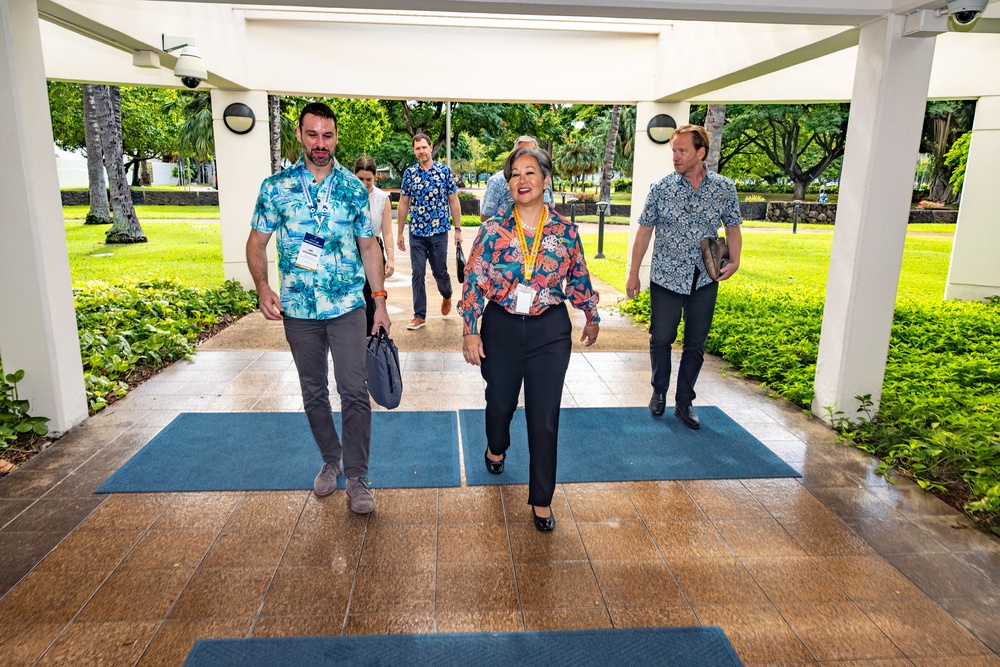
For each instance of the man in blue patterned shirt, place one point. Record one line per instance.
(326, 246)
(428, 194)
(497, 196)
(684, 207)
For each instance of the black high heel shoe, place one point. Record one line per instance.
(544, 524)
(494, 467)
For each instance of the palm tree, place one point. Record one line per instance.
(715, 118)
(125, 227)
(274, 118)
(574, 159)
(100, 209)
(609, 154)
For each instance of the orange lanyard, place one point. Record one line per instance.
(529, 257)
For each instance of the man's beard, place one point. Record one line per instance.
(319, 162)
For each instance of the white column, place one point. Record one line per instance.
(37, 319)
(883, 136)
(651, 163)
(243, 160)
(973, 271)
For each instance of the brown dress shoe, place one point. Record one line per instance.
(446, 306)
(416, 323)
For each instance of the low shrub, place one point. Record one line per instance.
(18, 429)
(148, 324)
(622, 185)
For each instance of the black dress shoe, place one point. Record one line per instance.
(494, 467)
(687, 415)
(545, 525)
(657, 403)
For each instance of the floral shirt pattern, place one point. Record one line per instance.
(428, 192)
(335, 288)
(682, 218)
(495, 268)
(497, 198)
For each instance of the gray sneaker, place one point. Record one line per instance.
(361, 497)
(326, 480)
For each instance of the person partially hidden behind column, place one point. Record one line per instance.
(684, 207)
(318, 208)
(429, 195)
(497, 197)
(524, 265)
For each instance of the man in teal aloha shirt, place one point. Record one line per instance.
(326, 245)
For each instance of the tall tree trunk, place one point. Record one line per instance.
(100, 209)
(126, 227)
(800, 189)
(274, 106)
(715, 118)
(609, 154)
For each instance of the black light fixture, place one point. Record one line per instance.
(239, 118)
(660, 128)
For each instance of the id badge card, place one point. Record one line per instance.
(525, 296)
(309, 252)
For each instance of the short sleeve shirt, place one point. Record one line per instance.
(336, 286)
(497, 199)
(682, 218)
(428, 192)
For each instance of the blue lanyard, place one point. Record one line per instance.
(312, 205)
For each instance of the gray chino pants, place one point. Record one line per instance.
(344, 337)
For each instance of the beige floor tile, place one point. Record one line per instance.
(559, 585)
(837, 631)
(756, 631)
(477, 504)
(715, 581)
(298, 626)
(325, 547)
(566, 619)
(637, 584)
(689, 539)
(653, 617)
(400, 587)
(617, 540)
(174, 639)
(793, 580)
(663, 501)
(134, 595)
(528, 545)
(308, 591)
(223, 593)
(397, 544)
(476, 587)
(389, 624)
(473, 543)
(757, 537)
(921, 629)
(479, 621)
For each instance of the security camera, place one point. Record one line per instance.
(189, 68)
(965, 12)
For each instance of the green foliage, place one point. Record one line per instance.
(622, 185)
(956, 158)
(66, 111)
(125, 325)
(17, 426)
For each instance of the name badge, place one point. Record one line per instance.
(525, 297)
(310, 252)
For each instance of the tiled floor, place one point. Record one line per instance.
(837, 568)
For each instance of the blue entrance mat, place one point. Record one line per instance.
(275, 451)
(664, 647)
(628, 444)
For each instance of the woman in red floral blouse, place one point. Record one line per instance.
(524, 265)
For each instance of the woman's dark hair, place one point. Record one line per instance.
(543, 159)
(318, 109)
(364, 163)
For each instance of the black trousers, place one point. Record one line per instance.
(369, 299)
(665, 308)
(534, 350)
(424, 249)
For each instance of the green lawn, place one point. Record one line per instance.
(154, 212)
(189, 252)
(800, 260)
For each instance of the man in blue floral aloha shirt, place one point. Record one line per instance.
(497, 196)
(684, 207)
(428, 194)
(326, 246)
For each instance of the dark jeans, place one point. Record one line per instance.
(665, 309)
(534, 350)
(435, 250)
(344, 337)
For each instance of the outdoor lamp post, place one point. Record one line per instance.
(602, 207)
(572, 209)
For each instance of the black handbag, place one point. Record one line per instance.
(715, 252)
(460, 262)
(385, 383)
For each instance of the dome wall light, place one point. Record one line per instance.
(660, 128)
(239, 118)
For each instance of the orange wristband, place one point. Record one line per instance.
(375, 294)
